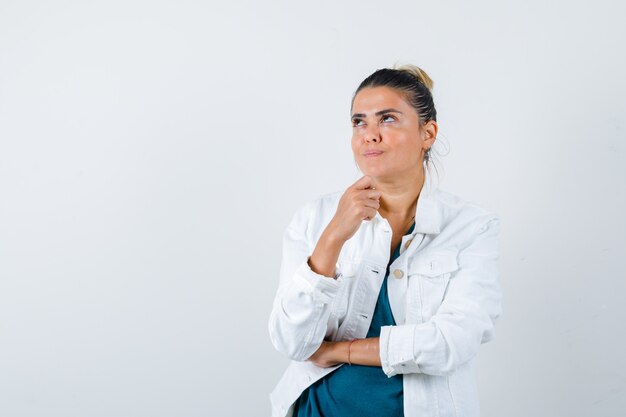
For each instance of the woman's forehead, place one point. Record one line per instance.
(373, 99)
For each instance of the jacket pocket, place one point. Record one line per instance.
(432, 270)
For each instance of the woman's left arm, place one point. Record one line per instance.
(452, 336)
(358, 352)
(465, 319)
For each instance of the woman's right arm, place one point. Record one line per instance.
(307, 286)
(301, 308)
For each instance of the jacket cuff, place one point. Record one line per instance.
(397, 350)
(320, 287)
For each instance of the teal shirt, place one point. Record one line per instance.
(358, 390)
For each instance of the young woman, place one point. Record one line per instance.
(387, 289)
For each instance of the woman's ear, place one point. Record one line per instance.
(429, 133)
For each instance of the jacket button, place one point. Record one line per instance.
(398, 273)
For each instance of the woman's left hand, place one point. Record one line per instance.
(327, 355)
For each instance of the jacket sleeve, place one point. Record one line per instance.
(301, 307)
(464, 320)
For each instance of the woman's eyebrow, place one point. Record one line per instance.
(378, 113)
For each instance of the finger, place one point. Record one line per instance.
(372, 194)
(364, 183)
(370, 213)
(371, 203)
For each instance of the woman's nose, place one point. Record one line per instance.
(372, 134)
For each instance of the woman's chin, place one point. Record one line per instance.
(375, 171)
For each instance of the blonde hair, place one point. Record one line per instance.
(418, 73)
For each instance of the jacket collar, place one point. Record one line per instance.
(427, 212)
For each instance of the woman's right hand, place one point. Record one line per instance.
(359, 202)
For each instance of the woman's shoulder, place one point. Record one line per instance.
(321, 203)
(458, 202)
(458, 211)
(317, 211)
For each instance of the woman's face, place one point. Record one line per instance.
(383, 122)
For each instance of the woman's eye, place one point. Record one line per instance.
(388, 117)
(356, 122)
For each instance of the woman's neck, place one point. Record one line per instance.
(399, 198)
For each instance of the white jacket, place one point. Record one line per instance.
(444, 294)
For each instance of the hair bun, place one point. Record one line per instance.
(418, 73)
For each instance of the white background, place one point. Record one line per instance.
(152, 153)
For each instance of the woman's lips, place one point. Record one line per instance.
(372, 154)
